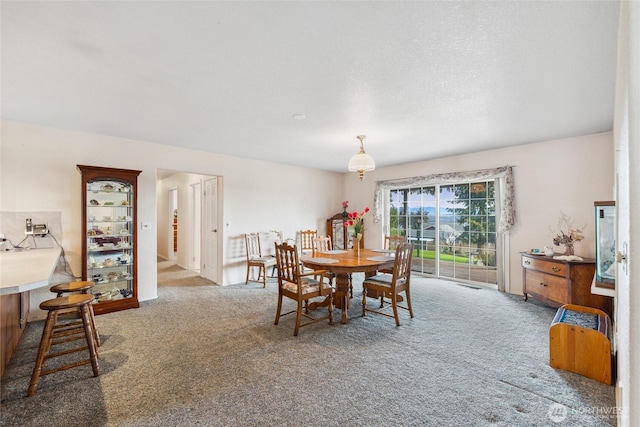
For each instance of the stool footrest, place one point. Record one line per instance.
(68, 331)
(64, 352)
(65, 367)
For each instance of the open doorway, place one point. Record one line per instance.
(183, 216)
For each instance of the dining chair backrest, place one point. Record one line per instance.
(392, 242)
(402, 266)
(322, 244)
(288, 263)
(305, 239)
(252, 244)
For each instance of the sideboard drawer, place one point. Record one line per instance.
(550, 267)
(546, 287)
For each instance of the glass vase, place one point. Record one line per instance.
(568, 248)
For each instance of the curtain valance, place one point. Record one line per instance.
(504, 175)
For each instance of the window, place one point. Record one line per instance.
(458, 221)
(452, 228)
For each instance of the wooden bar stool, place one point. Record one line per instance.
(54, 334)
(82, 287)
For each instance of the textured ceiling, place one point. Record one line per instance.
(421, 79)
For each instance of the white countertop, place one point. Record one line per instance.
(26, 270)
(599, 290)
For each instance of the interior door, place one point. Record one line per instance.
(209, 266)
(173, 224)
(196, 231)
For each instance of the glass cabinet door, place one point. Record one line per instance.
(341, 235)
(110, 243)
(605, 242)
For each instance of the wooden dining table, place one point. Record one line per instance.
(344, 263)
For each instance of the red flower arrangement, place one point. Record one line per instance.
(356, 221)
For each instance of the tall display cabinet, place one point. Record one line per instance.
(110, 237)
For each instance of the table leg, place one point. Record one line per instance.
(341, 295)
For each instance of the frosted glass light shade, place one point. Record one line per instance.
(361, 162)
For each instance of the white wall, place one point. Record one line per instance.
(565, 175)
(38, 173)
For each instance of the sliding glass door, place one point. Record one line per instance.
(452, 227)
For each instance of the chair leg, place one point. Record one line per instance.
(263, 271)
(330, 308)
(394, 304)
(364, 301)
(409, 302)
(279, 308)
(246, 282)
(298, 317)
(43, 349)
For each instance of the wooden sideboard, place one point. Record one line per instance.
(557, 282)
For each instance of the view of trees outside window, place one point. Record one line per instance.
(452, 228)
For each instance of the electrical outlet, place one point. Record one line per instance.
(146, 226)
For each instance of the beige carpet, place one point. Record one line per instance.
(207, 355)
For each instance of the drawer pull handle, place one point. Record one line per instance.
(543, 284)
(554, 268)
(526, 261)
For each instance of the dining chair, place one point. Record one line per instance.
(300, 287)
(276, 236)
(256, 259)
(390, 243)
(392, 285)
(323, 244)
(305, 239)
(304, 242)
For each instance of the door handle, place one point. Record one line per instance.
(621, 257)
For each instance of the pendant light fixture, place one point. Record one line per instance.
(361, 162)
